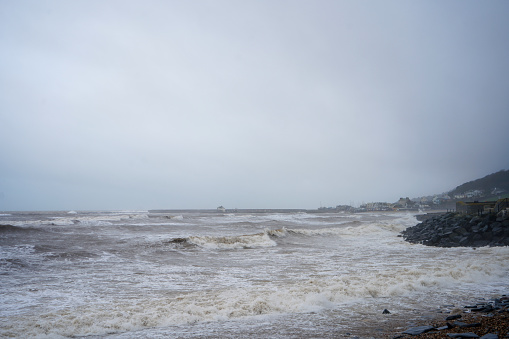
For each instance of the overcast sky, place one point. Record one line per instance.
(248, 104)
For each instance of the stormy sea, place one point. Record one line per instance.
(149, 274)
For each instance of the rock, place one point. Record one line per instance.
(479, 309)
(470, 325)
(418, 330)
(461, 231)
(451, 230)
(459, 324)
(453, 317)
(497, 230)
(463, 241)
(475, 220)
(489, 336)
(462, 335)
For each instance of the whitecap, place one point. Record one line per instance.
(233, 242)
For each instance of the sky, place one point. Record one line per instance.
(248, 104)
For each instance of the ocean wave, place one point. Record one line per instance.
(15, 257)
(4, 229)
(233, 242)
(257, 240)
(87, 220)
(352, 229)
(309, 295)
(267, 238)
(10, 228)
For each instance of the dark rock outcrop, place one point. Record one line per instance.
(454, 229)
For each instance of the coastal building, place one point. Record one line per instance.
(344, 208)
(405, 204)
(476, 207)
(482, 207)
(496, 191)
(377, 206)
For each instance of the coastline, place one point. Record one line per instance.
(483, 318)
(449, 321)
(454, 229)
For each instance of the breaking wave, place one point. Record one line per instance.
(310, 295)
(268, 236)
(102, 220)
(4, 229)
(263, 239)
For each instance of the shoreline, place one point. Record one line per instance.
(477, 316)
(483, 317)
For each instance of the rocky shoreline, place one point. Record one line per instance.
(456, 229)
(485, 319)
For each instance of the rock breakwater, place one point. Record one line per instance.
(455, 229)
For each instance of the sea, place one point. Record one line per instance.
(208, 274)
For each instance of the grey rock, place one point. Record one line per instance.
(461, 231)
(418, 330)
(462, 335)
(497, 230)
(471, 325)
(463, 241)
(452, 230)
(453, 317)
(490, 336)
(475, 220)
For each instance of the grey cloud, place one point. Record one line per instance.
(248, 104)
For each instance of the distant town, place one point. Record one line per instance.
(492, 187)
(436, 202)
(488, 189)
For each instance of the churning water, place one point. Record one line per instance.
(151, 275)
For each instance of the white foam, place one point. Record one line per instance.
(311, 295)
(281, 232)
(351, 229)
(88, 220)
(233, 242)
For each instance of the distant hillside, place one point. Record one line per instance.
(487, 185)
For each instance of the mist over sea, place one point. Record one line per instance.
(136, 274)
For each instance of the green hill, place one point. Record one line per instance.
(498, 181)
